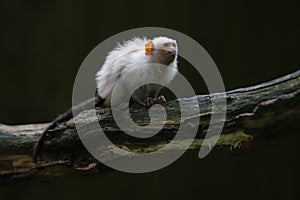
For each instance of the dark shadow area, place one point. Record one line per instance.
(43, 44)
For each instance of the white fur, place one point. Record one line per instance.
(128, 60)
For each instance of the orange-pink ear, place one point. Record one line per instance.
(149, 48)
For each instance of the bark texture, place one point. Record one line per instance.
(251, 112)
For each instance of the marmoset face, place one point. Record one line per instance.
(161, 50)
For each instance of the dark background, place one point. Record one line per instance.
(44, 42)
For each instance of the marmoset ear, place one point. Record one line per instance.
(149, 47)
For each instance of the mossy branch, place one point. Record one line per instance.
(250, 112)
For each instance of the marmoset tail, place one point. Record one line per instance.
(134, 60)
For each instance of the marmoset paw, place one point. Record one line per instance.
(161, 99)
(150, 101)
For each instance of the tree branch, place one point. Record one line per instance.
(250, 112)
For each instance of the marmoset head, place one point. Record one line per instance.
(161, 50)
